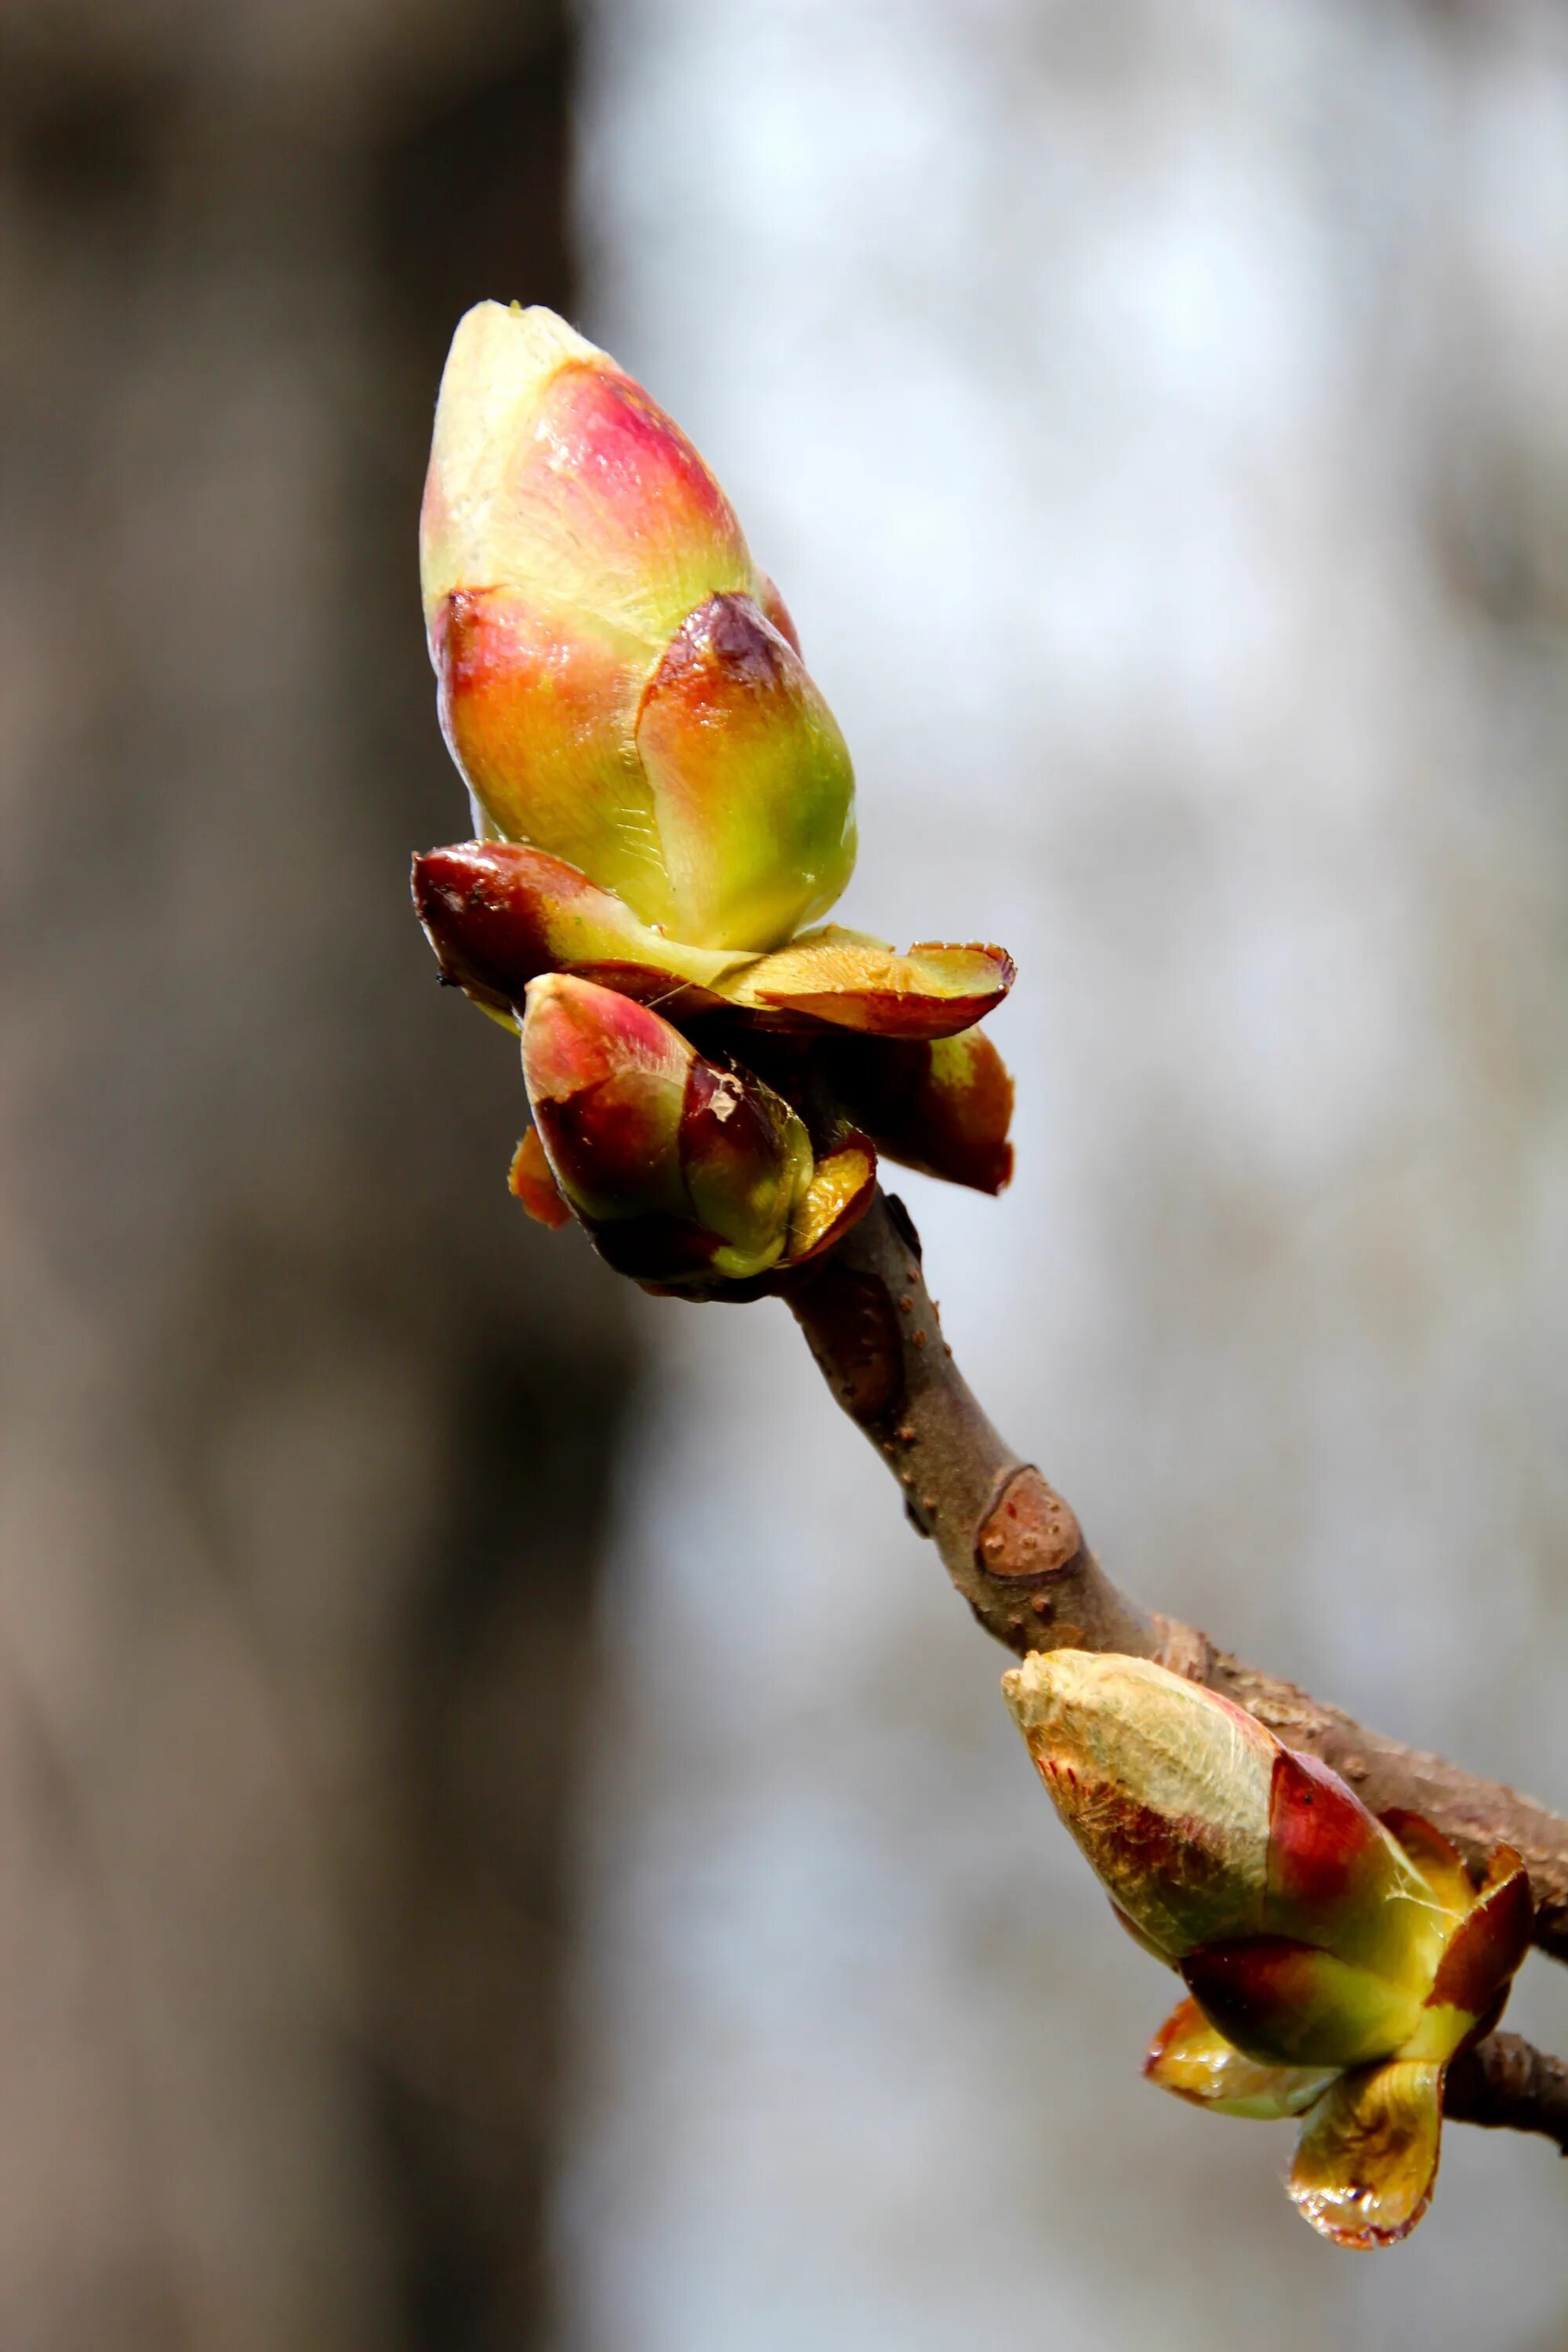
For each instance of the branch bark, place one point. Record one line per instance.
(1505, 2082)
(1015, 1552)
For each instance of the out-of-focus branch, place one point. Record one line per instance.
(1505, 2081)
(1013, 1549)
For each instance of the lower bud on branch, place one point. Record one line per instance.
(689, 1174)
(1336, 1963)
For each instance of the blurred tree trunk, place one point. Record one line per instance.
(304, 1438)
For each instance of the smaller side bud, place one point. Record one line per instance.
(687, 1175)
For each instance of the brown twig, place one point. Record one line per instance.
(1013, 1549)
(1505, 2081)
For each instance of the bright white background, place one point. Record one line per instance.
(1154, 416)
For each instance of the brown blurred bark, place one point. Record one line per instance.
(303, 1449)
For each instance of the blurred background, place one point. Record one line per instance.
(471, 1873)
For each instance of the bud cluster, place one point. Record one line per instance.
(664, 808)
(1335, 1963)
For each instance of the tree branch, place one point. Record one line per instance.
(1504, 2081)
(1015, 1552)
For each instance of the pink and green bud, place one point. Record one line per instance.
(619, 684)
(1335, 1963)
(687, 1174)
(673, 1164)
